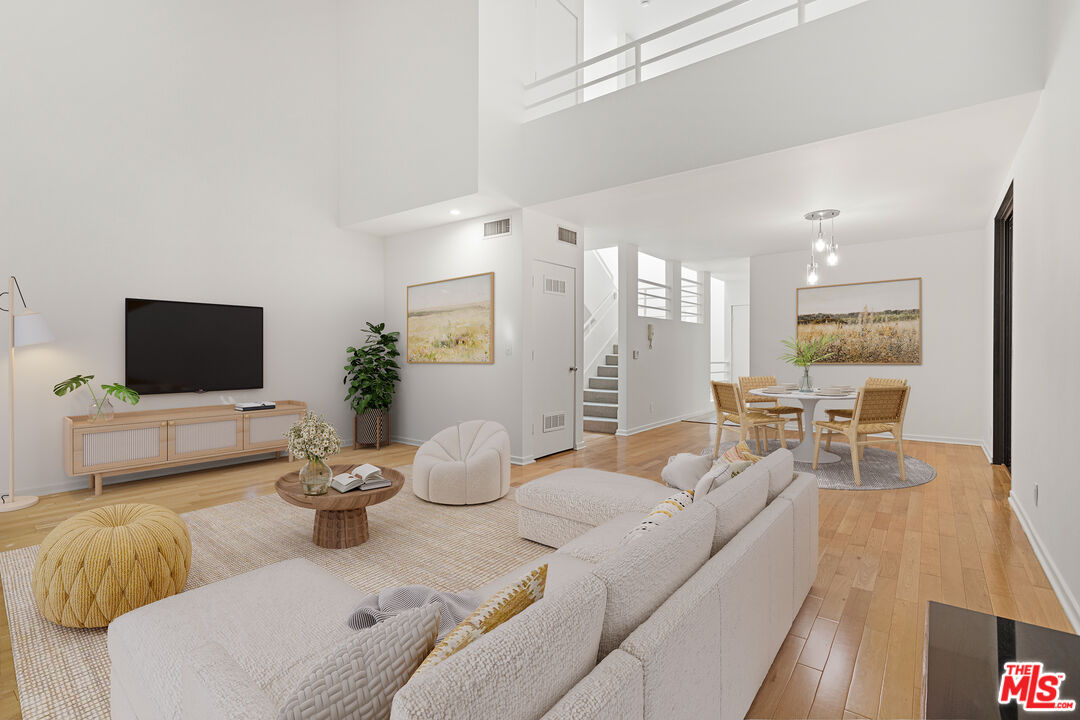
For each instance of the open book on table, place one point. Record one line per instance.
(362, 477)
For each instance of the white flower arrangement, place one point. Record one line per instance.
(312, 438)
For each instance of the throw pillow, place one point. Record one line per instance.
(496, 610)
(717, 476)
(739, 453)
(685, 469)
(359, 678)
(664, 511)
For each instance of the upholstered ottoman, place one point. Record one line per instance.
(101, 563)
(555, 509)
(464, 465)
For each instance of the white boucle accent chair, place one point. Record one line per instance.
(464, 464)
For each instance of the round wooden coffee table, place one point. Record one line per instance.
(340, 518)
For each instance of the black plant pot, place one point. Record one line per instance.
(371, 428)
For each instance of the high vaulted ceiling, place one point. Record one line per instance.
(937, 174)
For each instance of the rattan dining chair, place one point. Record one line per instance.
(878, 409)
(770, 406)
(842, 413)
(730, 407)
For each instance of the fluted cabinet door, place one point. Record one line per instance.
(205, 437)
(114, 446)
(266, 429)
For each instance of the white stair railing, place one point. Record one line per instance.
(649, 51)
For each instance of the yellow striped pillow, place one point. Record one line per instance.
(496, 610)
(664, 511)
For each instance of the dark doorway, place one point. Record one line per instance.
(1003, 254)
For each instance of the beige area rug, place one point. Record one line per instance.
(64, 672)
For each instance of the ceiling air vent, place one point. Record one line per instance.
(568, 236)
(497, 227)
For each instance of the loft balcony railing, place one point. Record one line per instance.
(715, 31)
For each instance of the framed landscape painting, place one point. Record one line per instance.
(451, 321)
(873, 323)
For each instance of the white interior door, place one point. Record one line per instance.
(553, 365)
(740, 341)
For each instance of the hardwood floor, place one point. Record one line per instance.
(855, 649)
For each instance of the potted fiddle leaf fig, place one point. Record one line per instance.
(101, 410)
(370, 373)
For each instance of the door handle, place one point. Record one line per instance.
(573, 369)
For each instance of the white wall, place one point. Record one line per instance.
(669, 382)
(410, 105)
(948, 398)
(740, 104)
(183, 151)
(432, 397)
(1046, 338)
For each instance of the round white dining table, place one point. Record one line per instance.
(804, 452)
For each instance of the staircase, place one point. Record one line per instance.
(602, 396)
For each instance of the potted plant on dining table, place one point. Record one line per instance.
(804, 353)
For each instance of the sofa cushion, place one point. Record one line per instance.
(519, 670)
(358, 678)
(596, 544)
(739, 608)
(274, 640)
(590, 496)
(501, 607)
(685, 469)
(737, 502)
(643, 574)
(563, 571)
(781, 466)
(612, 691)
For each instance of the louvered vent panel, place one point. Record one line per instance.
(567, 235)
(497, 227)
(554, 286)
(269, 429)
(554, 421)
(200, 437)
(120, 445)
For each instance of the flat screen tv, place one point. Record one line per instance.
(175, 347)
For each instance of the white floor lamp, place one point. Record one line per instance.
(24, 328)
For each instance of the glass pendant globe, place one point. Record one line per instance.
(820, 243)
(811, 274)
(832, 258)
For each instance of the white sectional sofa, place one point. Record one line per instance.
(682, 624)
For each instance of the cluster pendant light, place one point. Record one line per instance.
(820, 243)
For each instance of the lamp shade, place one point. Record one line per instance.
(31, 329)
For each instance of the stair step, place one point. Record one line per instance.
(601, 410)
(607, 371)
(602, 396)
(600, 425)
(611, 360)
(603, 383)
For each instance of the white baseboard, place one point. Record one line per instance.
(944, 440)
(987, 453)
(1064, 594)
(659, 423)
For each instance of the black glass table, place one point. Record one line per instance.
(968, 652)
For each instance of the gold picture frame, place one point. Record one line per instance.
(869, 330)
(451, 321)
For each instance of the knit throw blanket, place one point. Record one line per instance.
(392, 601)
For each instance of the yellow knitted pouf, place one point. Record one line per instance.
(99, 564)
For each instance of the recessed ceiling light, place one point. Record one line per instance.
(455, 211)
